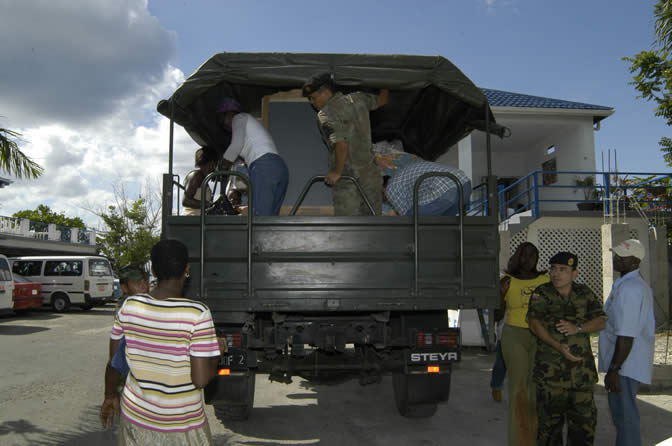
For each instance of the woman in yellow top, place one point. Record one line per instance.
(519, 344)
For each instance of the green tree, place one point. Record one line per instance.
(131, 228)
(44, 214)
(12, 160)
(652, 71)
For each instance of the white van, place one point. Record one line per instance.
(6, 286)
(84, 281)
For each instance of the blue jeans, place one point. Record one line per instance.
(624, 412)
(447, 205)
(269, 177)
(498, 369)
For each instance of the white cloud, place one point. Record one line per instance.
(81, 81)
(75, 62)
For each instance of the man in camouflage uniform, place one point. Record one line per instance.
(561, 314)
(346, 128)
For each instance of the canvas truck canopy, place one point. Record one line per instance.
(432, 103)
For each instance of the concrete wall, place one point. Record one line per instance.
(526, 151)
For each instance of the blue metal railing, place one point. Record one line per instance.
(525, 193)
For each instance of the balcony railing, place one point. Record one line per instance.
(608, 192)
(22, 227)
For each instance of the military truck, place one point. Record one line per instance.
(330, 298)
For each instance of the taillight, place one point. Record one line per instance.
(424, 339)
(86, 285)
(234, 340)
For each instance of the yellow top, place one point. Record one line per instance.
(517, 298)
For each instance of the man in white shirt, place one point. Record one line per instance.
(627, 342)
(252, 143)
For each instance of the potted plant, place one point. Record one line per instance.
(590, 193)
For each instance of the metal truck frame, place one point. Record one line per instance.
(332, 298)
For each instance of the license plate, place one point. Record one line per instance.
(234, 359)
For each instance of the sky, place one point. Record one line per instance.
(80, 79)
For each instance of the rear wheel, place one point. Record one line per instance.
(241, 391)
(61, 303)
(414, 395)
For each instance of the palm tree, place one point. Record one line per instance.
(13, 160)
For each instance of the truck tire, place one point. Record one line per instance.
(61, 303)
(413, 395)
(225, 411)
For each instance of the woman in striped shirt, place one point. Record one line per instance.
(172, 352)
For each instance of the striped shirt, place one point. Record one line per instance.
(161, 335)
(399, 190)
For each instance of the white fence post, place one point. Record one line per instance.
(92, 237)
(53, 233)
(74, 235)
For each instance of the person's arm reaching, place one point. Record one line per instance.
(383, 97)
(540, 331)
(341, 152)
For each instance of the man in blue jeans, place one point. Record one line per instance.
(437, 195)
(627, 342)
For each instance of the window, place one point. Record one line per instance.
(99, 267)
(550, 150)
(5, 274)
(27, 267)
(63, 268)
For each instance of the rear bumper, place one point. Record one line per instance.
(27, 303)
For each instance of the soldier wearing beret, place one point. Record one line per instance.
(562, 314)
(346, 128)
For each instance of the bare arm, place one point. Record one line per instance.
(540, 331)
(504, 284)
(203, 369)
(110, 407)
(383, 97)
(193, 183)
(623, 347)
(341, 149)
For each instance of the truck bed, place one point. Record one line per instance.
(318, 263)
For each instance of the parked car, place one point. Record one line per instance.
(27, 294)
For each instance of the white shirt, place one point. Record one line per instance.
(630, 313)
(250, 140)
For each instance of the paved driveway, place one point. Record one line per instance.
(52, 387)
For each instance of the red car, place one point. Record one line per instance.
(27, 294)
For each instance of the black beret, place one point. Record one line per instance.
(317, 81)
(564, 258)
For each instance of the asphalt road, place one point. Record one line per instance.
(52, 388)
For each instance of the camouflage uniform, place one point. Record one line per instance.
(565, 388)
(346, 118)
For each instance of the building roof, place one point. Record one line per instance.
(499, 98)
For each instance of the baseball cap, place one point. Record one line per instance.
(317, 81)
(564, 258)
(228, 105)
(132, 272)
(632, 247)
